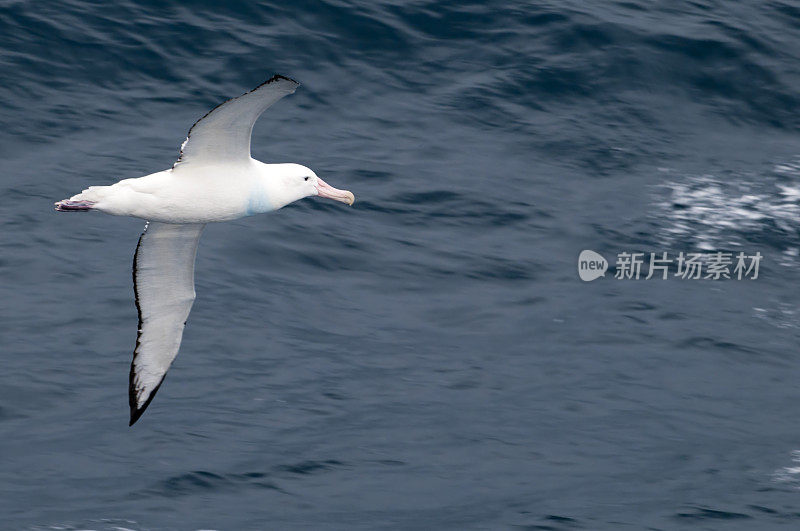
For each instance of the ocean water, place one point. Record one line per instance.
(429, 358)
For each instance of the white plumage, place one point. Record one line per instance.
(215, 179)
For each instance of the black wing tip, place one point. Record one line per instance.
(135, 415)
(137, 412)
(278, 77)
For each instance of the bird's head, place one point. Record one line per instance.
(298, 182)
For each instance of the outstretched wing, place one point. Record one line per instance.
(223, 134)
(163, 282)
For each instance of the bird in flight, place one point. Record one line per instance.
(214, 179)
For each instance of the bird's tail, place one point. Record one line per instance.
(83, 201)
(67, 205)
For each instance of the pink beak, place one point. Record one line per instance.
(326, 190)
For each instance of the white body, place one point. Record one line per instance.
(214, 179)
(204, 193)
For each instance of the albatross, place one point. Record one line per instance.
(214, 179)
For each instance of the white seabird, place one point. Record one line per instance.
(214, 179)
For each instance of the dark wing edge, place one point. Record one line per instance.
(274, 79)
(135, 410)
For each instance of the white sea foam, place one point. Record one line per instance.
(789, 474)
(709, 213)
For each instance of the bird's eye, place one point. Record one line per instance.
(305, 178)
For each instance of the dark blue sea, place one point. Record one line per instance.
(429, 358)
